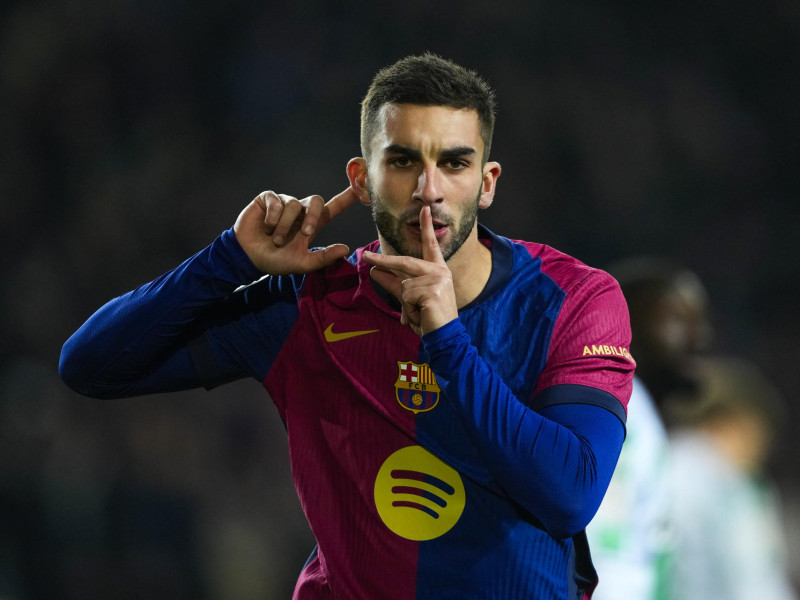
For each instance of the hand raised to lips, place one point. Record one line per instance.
(423, 286)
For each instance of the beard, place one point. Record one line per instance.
(391, 228)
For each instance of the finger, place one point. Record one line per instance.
(288, 222)
(410, 302)
(406, 266)
(323, 257)
(314, 205)
(388, 280)
(430, 245)
(339, 203)
(273, 207)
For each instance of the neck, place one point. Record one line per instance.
(471, 267)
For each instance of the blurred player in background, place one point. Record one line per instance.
(729, 537)
(630, 535)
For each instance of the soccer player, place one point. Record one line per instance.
(730, 536)
(455, 401)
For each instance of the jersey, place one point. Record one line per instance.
(390, 471)
(463, 464)
(730, 537)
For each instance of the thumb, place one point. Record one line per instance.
(319, 259)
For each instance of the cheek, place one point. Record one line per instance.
(671, 337)
(673, 334)
(395, 188)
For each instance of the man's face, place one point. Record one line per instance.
(678, 326)
(668, 341)
(427, 155)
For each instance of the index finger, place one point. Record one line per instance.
(430, 245)
(339, 203)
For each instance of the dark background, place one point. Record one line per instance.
(132, 133)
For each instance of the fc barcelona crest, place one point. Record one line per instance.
(416, 388)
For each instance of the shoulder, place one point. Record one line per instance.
(567, 272)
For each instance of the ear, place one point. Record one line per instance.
(357, 174)
(491, 171)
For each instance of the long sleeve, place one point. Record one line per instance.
(140, 342)
(557, 462)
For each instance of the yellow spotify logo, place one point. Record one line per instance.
(417, 495)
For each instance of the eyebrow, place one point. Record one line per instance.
(414, 154)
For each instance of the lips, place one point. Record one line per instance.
(439, 228)
(436, 224)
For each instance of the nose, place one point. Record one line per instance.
(428, 186)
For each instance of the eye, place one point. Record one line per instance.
(401, 162)
(456, 164)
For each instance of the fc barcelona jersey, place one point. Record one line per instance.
(398, 444)
(462, 464)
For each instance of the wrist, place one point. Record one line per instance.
(441, 335)
(243, 265)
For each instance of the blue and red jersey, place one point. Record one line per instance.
(462, 464)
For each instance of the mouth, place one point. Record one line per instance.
(439, 228)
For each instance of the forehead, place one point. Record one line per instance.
(682, 301)
(427, 127)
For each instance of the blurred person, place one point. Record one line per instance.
(728, 527)
(630, 535)
(455, 401)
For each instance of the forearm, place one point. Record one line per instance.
(557, 463)
(135, 343)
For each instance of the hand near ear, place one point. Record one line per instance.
(275, 231)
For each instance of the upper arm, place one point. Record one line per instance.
(590, 344)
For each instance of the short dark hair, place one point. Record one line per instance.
(428, 80)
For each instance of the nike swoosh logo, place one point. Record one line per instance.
(332, 336)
